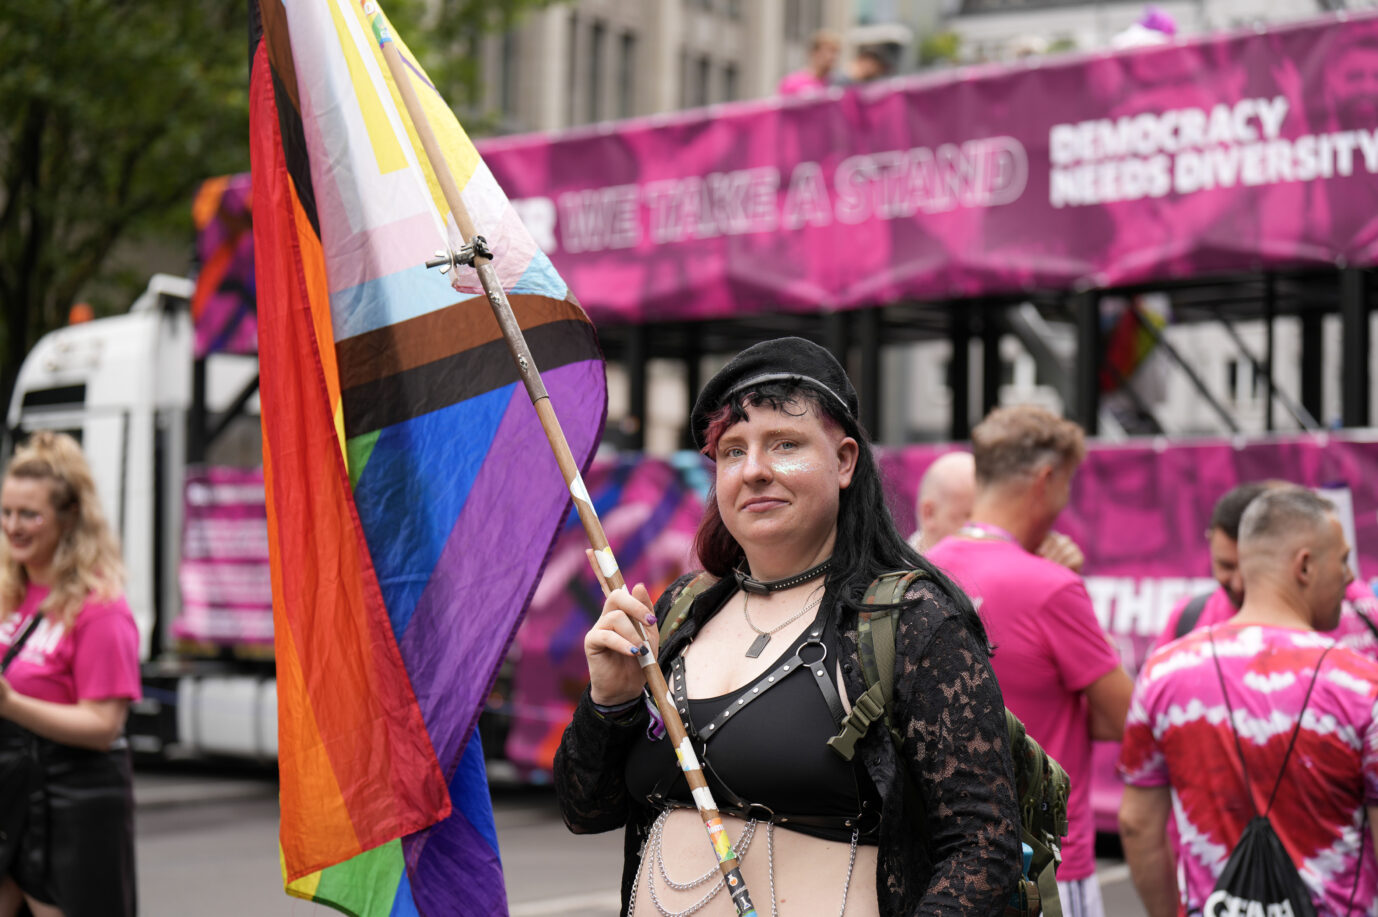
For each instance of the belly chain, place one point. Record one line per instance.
(652, 857)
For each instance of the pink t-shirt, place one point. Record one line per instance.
(97, 659)
(800, 81)
(1352, 631)
(1048, 649)
(1178, 735)
(1217, 610)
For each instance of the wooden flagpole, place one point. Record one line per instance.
(728, 864)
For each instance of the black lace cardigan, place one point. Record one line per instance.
(955, 851)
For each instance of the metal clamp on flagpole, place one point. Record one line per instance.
(478, 248)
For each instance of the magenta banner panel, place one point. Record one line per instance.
(1237, 152)
(227, 594)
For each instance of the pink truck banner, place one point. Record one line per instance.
(1238, 152)
(1139, 512)
(227, 595)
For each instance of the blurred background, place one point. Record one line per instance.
(127, 308)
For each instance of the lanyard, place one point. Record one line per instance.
(986, 530)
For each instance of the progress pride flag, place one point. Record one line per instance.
(1237, 152)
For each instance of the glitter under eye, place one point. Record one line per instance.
(792, 466)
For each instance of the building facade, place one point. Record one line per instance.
(995, 30)
(586, 61)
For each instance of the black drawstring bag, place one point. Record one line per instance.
(1259, 873)
(1259, 877)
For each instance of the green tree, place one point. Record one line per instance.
(939, 48)
(112, 112)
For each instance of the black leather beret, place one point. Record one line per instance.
(789, 359)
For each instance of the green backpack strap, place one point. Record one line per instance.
(1041, 785)
(679, 608)
(876, 647)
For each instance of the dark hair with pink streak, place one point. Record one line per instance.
(867, 543)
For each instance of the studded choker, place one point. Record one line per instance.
(756, 587)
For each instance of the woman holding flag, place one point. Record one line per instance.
(763, 667)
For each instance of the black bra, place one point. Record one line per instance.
(764, 748)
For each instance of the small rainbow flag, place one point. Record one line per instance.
(412, 498)
(222, 306)
(1128, 343)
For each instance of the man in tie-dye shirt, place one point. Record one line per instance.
(1179, 757)
(1358, 627)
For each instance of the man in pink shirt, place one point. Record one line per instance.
(824, 48)
(1057, 669)
(1253, 686)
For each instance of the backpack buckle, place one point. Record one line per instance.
(865, 711)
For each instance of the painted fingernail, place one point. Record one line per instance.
(634, 650)
(650, 619)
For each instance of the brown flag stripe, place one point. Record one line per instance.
(378, 403)
(419, 341)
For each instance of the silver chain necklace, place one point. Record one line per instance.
(763, 636)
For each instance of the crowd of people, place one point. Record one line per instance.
(870, 61)
(1254, 713)
(1249, 737)
(1173, 879)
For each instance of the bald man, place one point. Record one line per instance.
(947, 492)
(1273, 672)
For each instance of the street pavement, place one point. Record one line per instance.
(207, 846)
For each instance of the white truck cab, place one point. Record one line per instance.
(130, 389)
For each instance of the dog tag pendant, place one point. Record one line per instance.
(757, 646)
